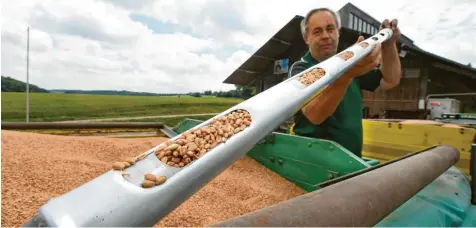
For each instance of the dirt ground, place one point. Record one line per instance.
(37, 167)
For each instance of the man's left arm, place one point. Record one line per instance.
(388, 75)
(391, 67)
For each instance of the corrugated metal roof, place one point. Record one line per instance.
(451, 65)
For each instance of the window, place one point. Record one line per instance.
(369, 29)
(351, 19)
(360, 25)
(356, 23)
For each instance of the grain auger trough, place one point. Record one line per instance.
(423, 188)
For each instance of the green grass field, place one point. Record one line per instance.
(58, 107)
(171, 121)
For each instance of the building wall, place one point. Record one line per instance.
(402, 97)
(406, 95)
(419, 80)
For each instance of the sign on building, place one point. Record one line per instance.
(411, 73)
(281, 66)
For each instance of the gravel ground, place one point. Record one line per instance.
(36, 167)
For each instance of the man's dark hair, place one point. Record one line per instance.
(305, 21)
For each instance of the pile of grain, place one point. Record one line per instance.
(37, 167)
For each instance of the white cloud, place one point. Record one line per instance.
(96, 45)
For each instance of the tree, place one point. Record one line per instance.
(245, 92)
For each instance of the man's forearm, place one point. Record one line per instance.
(324, 104)
(390, 67)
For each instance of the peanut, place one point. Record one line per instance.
(118, 166)
(181, 142)
(131, 161)
(150, 177)
(142, 156)
(192, 147)
(148, 184)
(160, 180)
(172, 147)
(183, 151)
(187, 160)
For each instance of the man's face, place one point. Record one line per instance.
(322, 35)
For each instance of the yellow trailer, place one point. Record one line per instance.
(388, 140)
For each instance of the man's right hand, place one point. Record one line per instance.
(366, 64)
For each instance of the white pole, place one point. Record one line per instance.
(27, 76)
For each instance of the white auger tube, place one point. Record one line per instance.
(116, 200)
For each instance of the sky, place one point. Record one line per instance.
(180, 46)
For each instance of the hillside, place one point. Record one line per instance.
(109, 92)
(12, 85)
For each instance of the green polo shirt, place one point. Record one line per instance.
(344, 126)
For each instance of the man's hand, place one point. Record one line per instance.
(366, 64)
(396, 31)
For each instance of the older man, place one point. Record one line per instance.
(336, 113)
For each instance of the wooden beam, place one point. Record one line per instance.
(454, 69)
(248, 71)
(280, 41)
(263, 57)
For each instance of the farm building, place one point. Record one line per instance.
(424, 73)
